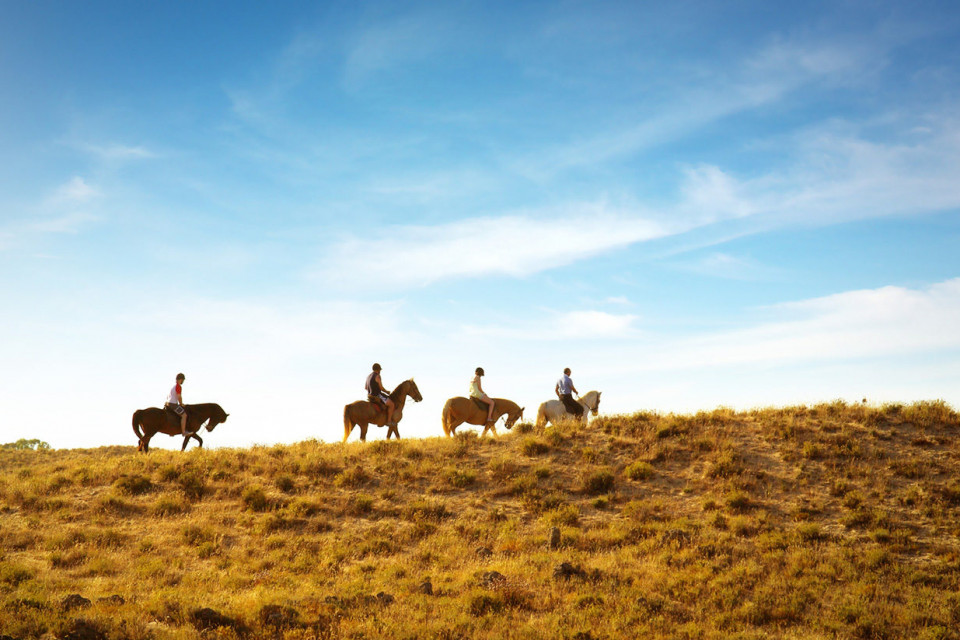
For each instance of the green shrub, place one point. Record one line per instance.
(14, 574)
(598, 482)
(533, 447)
(192, 484)
(568, 515)
(133, 485)
(459, 477)
(255, 499)
(639, 470)
(170, 505)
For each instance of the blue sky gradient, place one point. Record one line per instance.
(736, 203)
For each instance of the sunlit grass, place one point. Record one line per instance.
(834, 520)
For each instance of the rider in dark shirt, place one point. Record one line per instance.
(378, 395)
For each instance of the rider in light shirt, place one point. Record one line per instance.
(175, 403)
(565, 391)
(476, 391)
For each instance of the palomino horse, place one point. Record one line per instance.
(154, 421)
(459, 410)
(553, 410)
(364, 412)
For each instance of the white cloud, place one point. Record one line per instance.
(75, 191)
(510, 245)
(885, 322)
(115, 152)
(586, 324)
(67, 223)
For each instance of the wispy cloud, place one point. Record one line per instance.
(118, 152)
(728, 266)
(872, 323)
(587, 324)
(510, 245)
(765, 77)
(76, 191)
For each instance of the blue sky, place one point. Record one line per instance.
(701, 204)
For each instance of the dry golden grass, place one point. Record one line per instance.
(832, 521)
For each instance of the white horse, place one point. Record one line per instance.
(553, 410)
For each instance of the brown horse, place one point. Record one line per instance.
(364, 412)
(459, 410)
(154, 421)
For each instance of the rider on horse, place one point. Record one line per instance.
(378, 395)
(174, 403)
(565, 391)
(476, 392)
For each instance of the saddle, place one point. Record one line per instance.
(377, 400)
(483, 406)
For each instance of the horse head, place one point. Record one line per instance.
(512, 418)
(413, 391)
(218, 416)
(595, 409)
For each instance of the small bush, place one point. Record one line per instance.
(353, 477)
(639, 470)
(533, 447)
(133, 485)
(483, 603)
(255, 499)
(170, 506)
(523, 427)
(738, 501)
(192, 484)
(568, 515)
(14, 574)
(459, 477)
(362, 504)
(286, 484)
(598, 482)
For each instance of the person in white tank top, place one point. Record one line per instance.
(476, 391)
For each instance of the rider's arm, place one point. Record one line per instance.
(382, 388)
(556, 389)
(574, 389)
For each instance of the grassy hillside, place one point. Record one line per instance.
(806, 522)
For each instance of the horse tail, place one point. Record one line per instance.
(542, 415)
(136, 425)
(445, 417)
(347, 423)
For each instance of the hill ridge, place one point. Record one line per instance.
(835, 519)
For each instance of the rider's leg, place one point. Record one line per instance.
(490, 411)
(390, 408)
(183, 424)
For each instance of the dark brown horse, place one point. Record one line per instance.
(459, 410)
(364, 412)
(154, 421)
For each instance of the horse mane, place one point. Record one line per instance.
(399, 390)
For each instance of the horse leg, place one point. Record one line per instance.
(145, 443)
(363, 432)
(394, 431)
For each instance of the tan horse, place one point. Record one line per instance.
(364, 412)
(459, 410)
